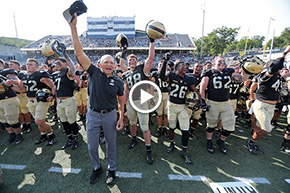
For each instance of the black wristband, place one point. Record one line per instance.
(285, 53)
(53, 95)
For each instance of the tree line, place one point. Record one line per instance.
(6, 41)
(223, 40)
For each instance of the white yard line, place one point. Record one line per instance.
(187, 178)
(12, 167)
(64, 170)
(253, 180)
(128, 175)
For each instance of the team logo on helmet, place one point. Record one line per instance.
(192, 101)
(42, 95)
(252, 65)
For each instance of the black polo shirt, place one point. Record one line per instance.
(103, 90)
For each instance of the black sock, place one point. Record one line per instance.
(148, 147)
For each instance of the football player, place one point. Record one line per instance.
(179, 84)
(66, 102)
(136, 74)
(24, 115)
(267, 94)
(196, 114)
(162, 109)
(82, 93)
(218, 81)
(9, 104)
(35, 81)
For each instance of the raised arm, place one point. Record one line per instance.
(82, 58)
(150, 59)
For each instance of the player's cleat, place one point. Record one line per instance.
(74, 144)
(149, 158)
(12, 137)
(132, 144)
(186, 157)
(192, 134)
(221, 144)
(159, 132)
(285, 146)
(170, 148)
(18, 139)
(209, 146)
(254, 148)
(126, 131)
(42, 139)
(50, 140)
(165, 132)
(67, 144)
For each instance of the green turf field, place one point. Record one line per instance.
(168, 173)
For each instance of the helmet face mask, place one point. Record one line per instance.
(42, 95)
(192, 101)
(51, 49)
(252, 65)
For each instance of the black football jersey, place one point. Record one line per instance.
(234, 90)
(132, 77)
(269, 89)
(161, 84)
(197, 80)
(6, 92)
(33, 84)
(64, 85)
(178, 87)
(219, 84)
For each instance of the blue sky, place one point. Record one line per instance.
(36, 19)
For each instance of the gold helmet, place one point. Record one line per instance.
(252, 65)
(42, 95)
(192, 100)
(122, 41)
(52, 48)
(118, 57)
(155, 30)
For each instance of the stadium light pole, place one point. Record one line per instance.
(272, 45)
(267, 36)
(202, 30)
(16, 31)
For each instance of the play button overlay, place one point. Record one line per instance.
(145, 96)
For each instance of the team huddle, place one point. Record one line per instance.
(216, 91)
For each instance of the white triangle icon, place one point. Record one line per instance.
(145, 96)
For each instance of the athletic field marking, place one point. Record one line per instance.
(287, 180)
(128, 175)
(12, 167)
(253, 180)
(64, 170)
(187, 178)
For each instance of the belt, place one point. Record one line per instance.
(102, 111)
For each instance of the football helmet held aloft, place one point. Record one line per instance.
(122, 41)
(42, 95)
(155, 30)
(52, 48)
(252, 65)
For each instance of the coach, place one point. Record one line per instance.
(104, 88)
